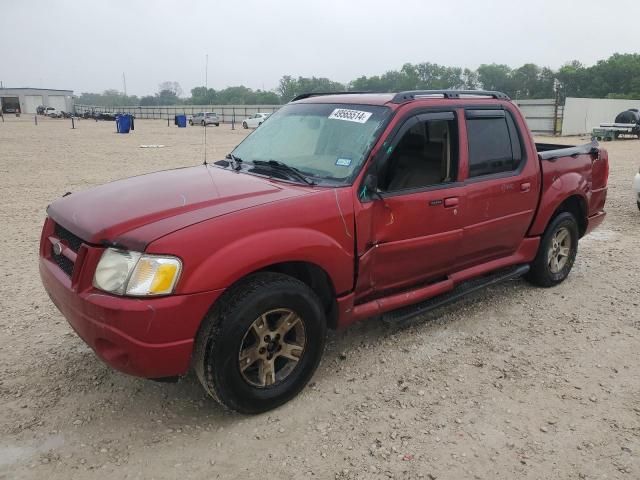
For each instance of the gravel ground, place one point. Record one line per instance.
(516, 382)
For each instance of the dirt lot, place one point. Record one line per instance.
(516, 382)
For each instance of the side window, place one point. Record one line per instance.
(494, 143)
(425, 155)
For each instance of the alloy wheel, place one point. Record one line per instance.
(559, 250)
(272, 347)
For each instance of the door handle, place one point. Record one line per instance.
(525, 187)
(451, 202)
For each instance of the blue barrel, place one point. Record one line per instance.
(181, 120)
(123, 123)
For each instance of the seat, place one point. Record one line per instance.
(415, 164)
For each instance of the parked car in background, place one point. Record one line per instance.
(636, 187)
(205, 118)
(255, 120)
(52, 112)
(340, 208)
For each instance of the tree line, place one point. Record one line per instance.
(616, 77)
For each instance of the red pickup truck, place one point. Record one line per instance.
(339, 207)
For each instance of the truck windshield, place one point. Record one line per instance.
(323, 141)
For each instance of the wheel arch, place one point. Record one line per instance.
(577, 206)
(553, 203)
(312, 275)
(317, 279)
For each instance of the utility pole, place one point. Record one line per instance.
(556, 87)
(124, 84)
(206, 72)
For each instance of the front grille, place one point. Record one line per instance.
(68, 238)
(63, 262)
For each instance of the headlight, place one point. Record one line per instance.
(132, 273)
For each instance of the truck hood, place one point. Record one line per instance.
(133, 212)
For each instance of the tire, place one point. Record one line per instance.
(217, 124)
(244, 125)
(260, 124)
(545, 272)
(203, 123)
(638, 204)
(191, 122)
(228, 329)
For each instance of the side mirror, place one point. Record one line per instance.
(370, 187)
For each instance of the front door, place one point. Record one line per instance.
(416, 227)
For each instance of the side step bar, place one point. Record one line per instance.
(404, 314)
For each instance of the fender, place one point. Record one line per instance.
(558, 190)
(245, 255)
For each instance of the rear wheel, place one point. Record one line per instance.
(191, 122)
(556, 253)
(217, 124)
(261, 343)
(203, 123)
(244, 125)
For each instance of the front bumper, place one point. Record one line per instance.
(145, 337)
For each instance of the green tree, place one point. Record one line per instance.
(167, 97)
(289, 87)
(148, 101)
(108, 98)
(496, 77)
(203, 96)
(173, 87)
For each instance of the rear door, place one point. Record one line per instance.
(501, 185)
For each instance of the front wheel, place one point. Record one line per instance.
(244, 125)
(203, 124)
(261, 343)
(556, 253)
(191, 122)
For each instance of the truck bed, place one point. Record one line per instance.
(550, 151)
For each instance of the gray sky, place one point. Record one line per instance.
(86, 45)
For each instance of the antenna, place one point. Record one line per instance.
(206, 88)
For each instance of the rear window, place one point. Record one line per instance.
(494, 143)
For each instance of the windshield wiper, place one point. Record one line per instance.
(283, 167)
(237, 161)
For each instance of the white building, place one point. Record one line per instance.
(29, 99)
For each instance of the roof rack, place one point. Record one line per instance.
(407, 96)
(302, 96)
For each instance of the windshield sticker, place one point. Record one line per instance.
(357, 116)
(343, 162)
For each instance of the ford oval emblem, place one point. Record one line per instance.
(57, 248)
